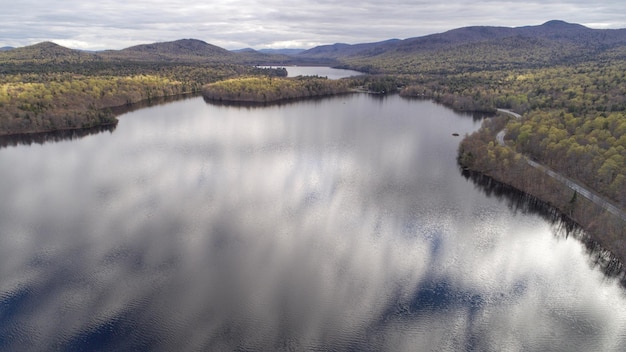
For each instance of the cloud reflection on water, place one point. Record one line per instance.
(343, 224)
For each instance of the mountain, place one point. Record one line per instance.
(191, 50)
(179, 51)
(479, 48)
(282, 51)
(269, 51)
(45, 51)
(183, 50)
(244, 50)
(339, 50)
(552, 33)
(250, 56)
(6, 48)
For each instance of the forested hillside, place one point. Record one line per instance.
(184, 50)
(478, 48)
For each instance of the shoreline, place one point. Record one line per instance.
(114, 111)
(270, 102)
(518, 200)
(53, 136)
(482, 154)
(593, 230)
(58, 130)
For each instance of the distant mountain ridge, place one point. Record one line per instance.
(286, 51)
(338, 50)
(555, 31)
(547, 43)
(178, 50)
(45, 51)
(181, 51)
(270, 51)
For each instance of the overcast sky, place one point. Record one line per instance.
(116, 24)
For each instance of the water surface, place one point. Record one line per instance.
(334, 224)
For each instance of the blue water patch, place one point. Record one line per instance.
(12, 305)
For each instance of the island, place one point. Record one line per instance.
(267, 89)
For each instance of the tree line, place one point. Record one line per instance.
(264, 89)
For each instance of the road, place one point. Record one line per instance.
(500, 135)
(587, 193)
(509, 112)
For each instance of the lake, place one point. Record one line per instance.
(332, 224)
(328, 72)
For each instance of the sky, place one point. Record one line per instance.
(237, 24)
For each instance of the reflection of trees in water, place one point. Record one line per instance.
(260, 105)
(56, 136)
(477, 116)
(562, 225)
(73, 134)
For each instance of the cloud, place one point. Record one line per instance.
(115, 24)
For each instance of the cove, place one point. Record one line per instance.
(334, 224)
